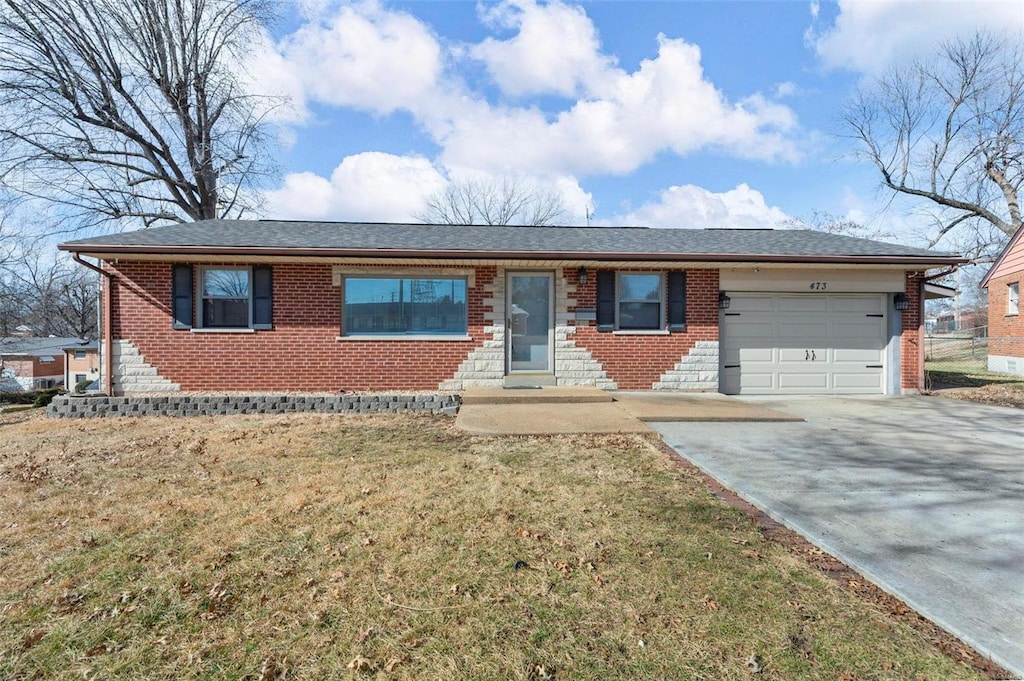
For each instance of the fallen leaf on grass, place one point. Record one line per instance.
(394, 662)
(31, 639)
(751, 554)
(754, 664)
(271, 671)
(711, 603)
(362, 664)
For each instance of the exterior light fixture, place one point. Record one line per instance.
(581, 274)
(723, 301)
(901, 301)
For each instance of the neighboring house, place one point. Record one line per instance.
(32, 363)
(309, 306)
(1005, 324)
(81, 363)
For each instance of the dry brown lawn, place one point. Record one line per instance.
(314, 547)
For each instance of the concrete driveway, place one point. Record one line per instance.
(922, 495)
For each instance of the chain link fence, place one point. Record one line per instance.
(961, 359)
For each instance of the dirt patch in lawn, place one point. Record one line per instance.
(1002, 394)
(398, 547)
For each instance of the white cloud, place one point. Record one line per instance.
(556, 48)
(692, 207)
(665, 105)
(379, 187)
(869, 36)
(370, 186)
(815, 9)
(361, 56)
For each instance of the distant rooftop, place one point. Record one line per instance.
(37, 347)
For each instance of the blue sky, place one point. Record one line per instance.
(668, 114)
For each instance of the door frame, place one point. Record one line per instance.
(550, 276)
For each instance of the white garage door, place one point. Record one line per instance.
(803, 344)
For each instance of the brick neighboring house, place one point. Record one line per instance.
(81, 363)
(33, 363)
(310, 306)
(1004, 282)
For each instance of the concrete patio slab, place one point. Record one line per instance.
(524, 395)
(922, 495)
(547, 418)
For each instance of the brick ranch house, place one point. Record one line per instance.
(1005, 325)
(33, 363)
(309, 306)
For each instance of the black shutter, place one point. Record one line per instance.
(677, 301)
(181, 296)
(262, 297)
(605, 300)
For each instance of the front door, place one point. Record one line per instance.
(529, 323)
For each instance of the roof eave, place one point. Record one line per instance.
(112, 251)
(1001, 257)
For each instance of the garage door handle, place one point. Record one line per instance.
(732, 314)
(874, 315)
(732, 366)
(872, 366)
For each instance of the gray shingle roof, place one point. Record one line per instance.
(37, 346)
(481, 239)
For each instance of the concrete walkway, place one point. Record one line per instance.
(496, 411)
(922, 495)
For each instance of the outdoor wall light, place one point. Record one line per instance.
(901, 301)
(581, 274)
(723, 301)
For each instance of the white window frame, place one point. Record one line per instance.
(1013, 298)
(458, 335)
(201, 299)
(80, 354)
(661, 301)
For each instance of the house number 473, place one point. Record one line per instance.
(819, 285)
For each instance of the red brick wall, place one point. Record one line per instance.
(637, 362)
(911, 355)
(300, 353)
(1006, 331)
(29, 366)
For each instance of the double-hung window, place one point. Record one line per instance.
(225, 300)
(1013, 298)
(222, 297)
(403, 306)
(639, 301)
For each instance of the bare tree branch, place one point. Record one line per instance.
(131, 108)
(505, 201)
(950, 130)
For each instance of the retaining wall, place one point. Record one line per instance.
(64, 406)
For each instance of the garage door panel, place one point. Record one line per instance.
(864, 304)
(793, 344)
(858, 382)
(756, 355)
(859, 329)
(752, 304)
(797, 330)
(808, 382)
(859, 355)
(802, 304)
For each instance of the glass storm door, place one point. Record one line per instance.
(529, 324)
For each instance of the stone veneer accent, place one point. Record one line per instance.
(65, 406)
(698, 371)
(484, 366)
(133, 374)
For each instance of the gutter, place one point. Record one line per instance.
(107, 332)
(106, 251)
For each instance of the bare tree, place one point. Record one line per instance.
(52, 297)
(131, 109)
(949, 131)
(823, 221)
(506, 201)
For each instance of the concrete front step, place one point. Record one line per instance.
(541, 395)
